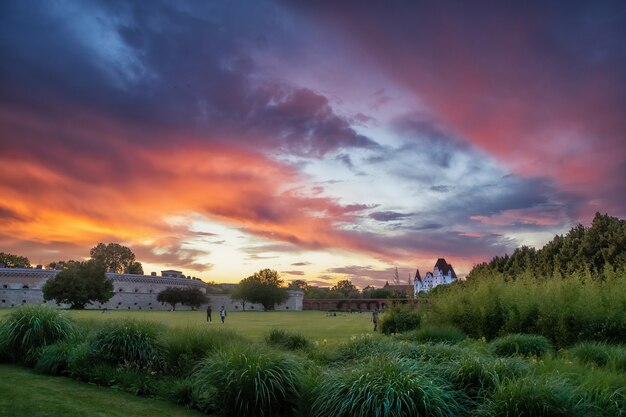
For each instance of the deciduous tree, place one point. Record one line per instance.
(264, 287)
(79, 284)
(116, 258)
(14, 261)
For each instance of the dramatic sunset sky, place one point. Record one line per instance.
(324, 139)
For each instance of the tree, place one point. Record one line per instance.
(396, 277)
(135, 268)
(264, 287)
(346, 288)
(14, 261)
(299, 284)
(171, 296)
(194, 297)
(79, 284)
(189, 296)
(116, 258)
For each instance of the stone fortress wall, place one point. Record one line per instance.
(21, 286)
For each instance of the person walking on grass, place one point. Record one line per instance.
(375, 319)
(208, 313)
(223, 314)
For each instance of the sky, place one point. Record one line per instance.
(326, 140)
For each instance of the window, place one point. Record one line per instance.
(5, 286)
(120, 290)
(25, 287)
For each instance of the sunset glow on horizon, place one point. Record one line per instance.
(325, 140)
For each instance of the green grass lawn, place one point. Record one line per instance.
(28, 394)
(315, 325)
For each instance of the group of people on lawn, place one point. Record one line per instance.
(209, 311)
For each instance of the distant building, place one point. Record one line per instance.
(21, 286)
(401, 290)
(443, 274)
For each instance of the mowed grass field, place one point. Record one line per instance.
(315, 325)
(28, 394)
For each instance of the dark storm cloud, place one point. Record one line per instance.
(183, 67)
(387, 216)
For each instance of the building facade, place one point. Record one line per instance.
(21, 286)
(443, 274)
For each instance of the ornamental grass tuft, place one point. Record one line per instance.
(521, 345)
(128, 343)
(286, 340)
(250, 382)
(389, 387)
(27, 330)
(534, 396)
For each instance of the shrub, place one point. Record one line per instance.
(361, 348)
(286, 340)
(435, 334)
(129, 343)
(81, 361)
(385, 387)
(536, 397)
(54, 358)
(521, 345)
(28, 329)
(184, 348)
(249, 382)
(400, 318)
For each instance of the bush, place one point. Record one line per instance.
(286, 340)
(129, 343)
(81, 361)
(536, 397)
(385, 387)
(400, 318)
(184, 348)
(28, 329)
(436, 334)
(361, 348)
(521, 345)
(436, 353)
(54, 358)
(249, 382)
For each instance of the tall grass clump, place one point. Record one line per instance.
(385, 386)
(28, 329)
(400, 318)
(436, 334)
(286, 340)
(566, 310)
(521, 345)
(129, 343)
(249, 382)
(534, 396)
(185, 347)
(596, 353)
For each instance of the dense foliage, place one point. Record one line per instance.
(597, 252)
(264, 287)
(79, 284)
(116, 258)
(189, 296)
(400, 318)
(571, 290)
(14, 261)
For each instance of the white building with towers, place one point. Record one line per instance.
(443, 274)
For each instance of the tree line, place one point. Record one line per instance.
(597, 251)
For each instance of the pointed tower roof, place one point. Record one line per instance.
(445, 267)
(418, 277)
